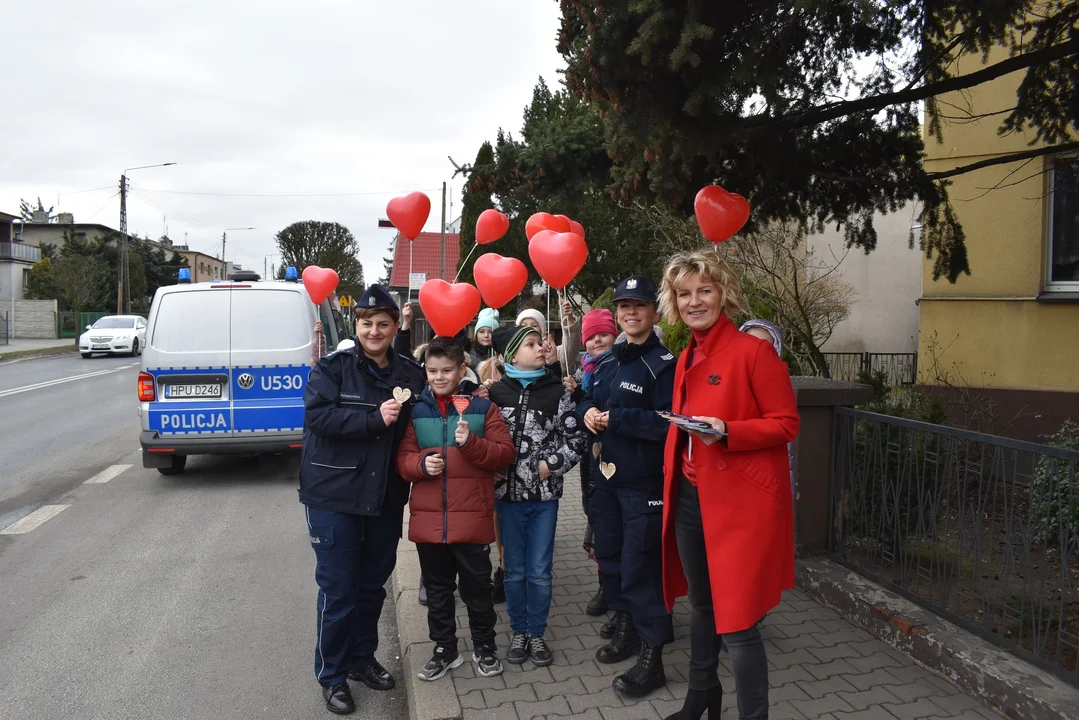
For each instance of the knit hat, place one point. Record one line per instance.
(775, 332)
(488, 318)
(596, 322)
(535, 315)
(508, 339)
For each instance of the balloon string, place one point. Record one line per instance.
(461, 269)
(562, 324)
(410, 271)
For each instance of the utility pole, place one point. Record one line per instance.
(264, 275)
(121, 280)
(442, 251)
(224, 234)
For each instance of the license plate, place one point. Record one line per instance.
(100, 347)
(193, 390)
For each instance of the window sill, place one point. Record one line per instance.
(1058, 296)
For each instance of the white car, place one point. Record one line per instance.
(114, 334)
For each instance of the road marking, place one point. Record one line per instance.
(61, 381)
(107, 474)
(34, 519)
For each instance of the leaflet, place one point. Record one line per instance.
(689, 424)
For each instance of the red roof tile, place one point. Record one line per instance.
(425, 257)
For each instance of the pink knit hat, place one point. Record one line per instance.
(596, 322)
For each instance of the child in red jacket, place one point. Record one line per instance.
(451, 451)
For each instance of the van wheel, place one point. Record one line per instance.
(179, 462)
(135, 347)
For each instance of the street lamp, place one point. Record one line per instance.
(123, 282)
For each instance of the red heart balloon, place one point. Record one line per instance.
(449, 308)
(545, 221)
(557, 257)
(409, 213)
(500, 279)
(577, 229)
(320, 282)
(490, 226)
(720, 213)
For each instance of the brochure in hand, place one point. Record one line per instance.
(689, 424)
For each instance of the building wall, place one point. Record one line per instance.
(990, 328)
(204, 268)
(887, 283)
(35, 319)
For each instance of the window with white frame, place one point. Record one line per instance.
(1062, 246)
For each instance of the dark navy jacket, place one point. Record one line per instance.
(348, 456)
(632, 383)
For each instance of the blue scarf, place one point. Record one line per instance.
(588, 366)
(525, 377)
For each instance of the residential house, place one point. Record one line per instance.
(427, 259)
(16, 260)
(204, 268)
(1010, 328)
(55, 233)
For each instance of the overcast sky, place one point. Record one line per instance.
(266, 97)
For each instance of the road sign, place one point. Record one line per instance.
(416, 280)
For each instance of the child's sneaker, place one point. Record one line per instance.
(518, 651)
(440, 663)
(541, 654)
(487, 664)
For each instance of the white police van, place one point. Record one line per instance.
(225, 365)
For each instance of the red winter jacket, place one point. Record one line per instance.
(744, 486)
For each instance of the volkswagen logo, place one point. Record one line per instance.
(246, 381)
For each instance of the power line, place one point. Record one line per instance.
(76, 192)
(298, 195)
(107, 203)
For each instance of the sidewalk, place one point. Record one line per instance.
(18, 344)
(822, 666)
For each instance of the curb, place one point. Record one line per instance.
(36, 353)
(990, 674)
(426, 700)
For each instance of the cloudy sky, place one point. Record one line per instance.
(263, 97)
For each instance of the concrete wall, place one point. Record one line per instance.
(887, 283)
(35, 319)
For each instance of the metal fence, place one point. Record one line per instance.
(67, 327)
(981, 529)
(901, 369)
(4, 330)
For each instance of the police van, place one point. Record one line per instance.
(225, 366)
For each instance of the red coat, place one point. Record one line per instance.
(744, 487)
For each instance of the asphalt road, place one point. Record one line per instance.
(150, 597)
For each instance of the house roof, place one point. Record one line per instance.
(6, 216)
(425, 257)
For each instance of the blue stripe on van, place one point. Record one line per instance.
(268, 415)
(270, 382)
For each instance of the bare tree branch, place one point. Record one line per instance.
(1005, 159)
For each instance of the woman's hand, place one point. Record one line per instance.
(544, 471)
(434, 464)
(460, 436)
(602, 420)
(568, 318)
(714, 422)
(590, 420)
(391, 410)
(569, 383)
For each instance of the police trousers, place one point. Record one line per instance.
(354, 557)
(628, 528)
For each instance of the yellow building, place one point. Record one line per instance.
(1011, 326)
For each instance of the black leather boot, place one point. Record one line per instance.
(598, 604)
(697, 701)
(607, 629)
(339, 699)
(625, 643)
(644, 677)
(498, 586)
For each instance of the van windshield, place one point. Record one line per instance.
(265, 319)
(195, 321)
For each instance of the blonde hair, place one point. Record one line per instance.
(420, 352)
(710, 267)
(488, 370)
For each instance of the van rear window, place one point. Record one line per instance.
(266, 319)
(196, 321)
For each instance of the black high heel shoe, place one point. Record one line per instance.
(697, 701)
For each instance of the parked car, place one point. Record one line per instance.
(225, 367)
(114, 334)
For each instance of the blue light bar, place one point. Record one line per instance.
(184, 275)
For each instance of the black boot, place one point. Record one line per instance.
(598, 604)
(644, 677)
(339, 699)
(625, 643)
(498, 586)
(697, 701)
(607, 629)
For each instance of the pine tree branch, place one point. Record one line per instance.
(1004, 159)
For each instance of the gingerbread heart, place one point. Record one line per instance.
(401, 394)
(607, 469)
(595, 450)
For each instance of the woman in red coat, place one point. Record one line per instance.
(727, 516)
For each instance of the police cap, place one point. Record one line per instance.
(636, 287)
(377, 297)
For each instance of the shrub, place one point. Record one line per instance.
(1054, 493)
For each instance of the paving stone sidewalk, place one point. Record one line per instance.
(822, 666)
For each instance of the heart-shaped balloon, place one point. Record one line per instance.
(490, 226)
(577, 229)
(449, 308)
(320, 282)
(499, 279)
(557, 256)
(545, 221)
(720, 213)
(409, 213)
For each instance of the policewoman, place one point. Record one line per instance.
(626, 508)
(356, 407)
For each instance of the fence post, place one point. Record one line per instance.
(812, 467)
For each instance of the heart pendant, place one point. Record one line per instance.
(608, 469)
(595, 450)
(401, 394)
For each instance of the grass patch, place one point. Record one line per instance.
(38, 352)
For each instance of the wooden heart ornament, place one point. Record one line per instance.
(409, 213)
(401, 394)
(596, 450)
(720, 213)
(449, 308)
(607, 469)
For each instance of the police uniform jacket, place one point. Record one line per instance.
(347, 463)
(632, 383)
